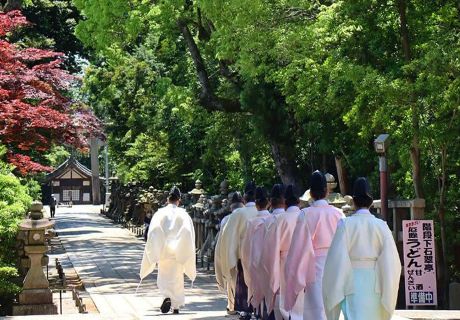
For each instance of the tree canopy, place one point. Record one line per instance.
(35, 108)
(274, 90)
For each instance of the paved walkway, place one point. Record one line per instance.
(107, 259)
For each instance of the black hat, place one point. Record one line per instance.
(318, 181)
(277, 191)
(175, 192)
(361, 189)
(236, 197)
(291, 193)
(261, 194)
(250, 188)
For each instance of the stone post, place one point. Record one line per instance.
(36, 297)
(96, 183)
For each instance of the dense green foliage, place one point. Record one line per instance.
(54, 22)
(14, 202)
(15, 199)
(214, 89)
(157, 133)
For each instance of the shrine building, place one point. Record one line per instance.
(71, 181)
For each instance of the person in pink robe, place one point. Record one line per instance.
(253, 244)
(265, 262)
(316, 224)
(278, 242)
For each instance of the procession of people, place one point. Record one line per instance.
(277, 261)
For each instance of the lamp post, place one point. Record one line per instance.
(381, 146)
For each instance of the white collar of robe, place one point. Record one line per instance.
(320, 203)
(363, 212)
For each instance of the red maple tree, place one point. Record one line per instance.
(34, 110)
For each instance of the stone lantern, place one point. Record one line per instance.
(36, 296)
(197, 191)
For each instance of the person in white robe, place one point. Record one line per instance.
(170, 245)
(362, 271)
(227, 284)
(228, 250)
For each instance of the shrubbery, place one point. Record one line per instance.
(14, 202)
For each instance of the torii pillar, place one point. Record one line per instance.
(95, 181)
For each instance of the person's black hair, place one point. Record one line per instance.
(276, 202)
(318, 185)
(362, 196)
(318, 195)
(291, 197)
(362, 202)
(277, 195)
(236, 197)
(249, 192)
(174, 194)
(261, 197)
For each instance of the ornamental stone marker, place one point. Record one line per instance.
(36, 297)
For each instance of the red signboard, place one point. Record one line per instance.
(419, 263)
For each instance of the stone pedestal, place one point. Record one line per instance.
(34, 309)
(35, 278)
(36, 296)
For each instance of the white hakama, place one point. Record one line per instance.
(171, 245)
(364, 303)
(170, 281)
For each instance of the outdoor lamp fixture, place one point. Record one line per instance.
(381, 146)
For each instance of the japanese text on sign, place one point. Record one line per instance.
(419, 262)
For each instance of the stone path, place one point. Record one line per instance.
(107, 259)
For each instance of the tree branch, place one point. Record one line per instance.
(207, 97)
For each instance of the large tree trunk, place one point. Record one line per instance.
(284, 157)
(415, 145)
(441, 215)
(416, 171)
